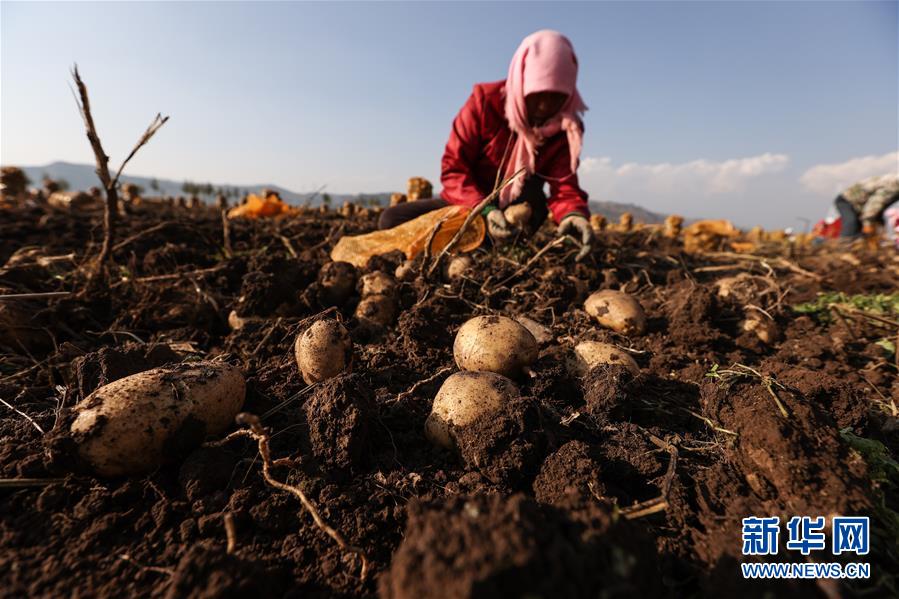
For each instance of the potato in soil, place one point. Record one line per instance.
(617, 310)
(323, 350)
(589, 354)
(495, 344)
(464, 397)
(137, 423)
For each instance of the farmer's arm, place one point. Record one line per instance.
(565, 193)
(461, 154)
(878, 202)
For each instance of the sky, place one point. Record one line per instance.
(754, 111)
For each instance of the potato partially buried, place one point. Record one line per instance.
(495, 344)
(377, 310)
(324, 350)
(378, 283)
(137, 423)
(590, 354)
(463, 398)
(617, 310)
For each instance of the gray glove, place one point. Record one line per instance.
(499, 228)
(578, 226)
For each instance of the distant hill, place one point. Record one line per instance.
(613, 211)
(82, 176)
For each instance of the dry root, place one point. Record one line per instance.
(258, 434)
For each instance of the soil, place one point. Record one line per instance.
(544, 499)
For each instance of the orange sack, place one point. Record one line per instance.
(411, 237)
(257, 207)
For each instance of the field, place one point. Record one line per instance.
(606, 484)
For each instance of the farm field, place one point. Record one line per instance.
(772, 394)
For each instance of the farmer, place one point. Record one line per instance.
(529, 121)
(864, 204)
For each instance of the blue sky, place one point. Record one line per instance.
(757, 112)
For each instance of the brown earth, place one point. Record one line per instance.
(610, 485)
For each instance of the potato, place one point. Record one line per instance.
(744, 288)
(405, 271)
(673, 226)
(464, 397)
(336, 281)
(519, 215)
(378, 283)
(137, 423)
(457, 267)
(237, 322)
(377, 309)
(617, 310)
(590, 354)
(598, 222)
(324, 350)
(495, 344)
(541, 333)
(763, 327)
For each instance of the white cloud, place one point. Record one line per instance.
(698, 177)
(832, 178)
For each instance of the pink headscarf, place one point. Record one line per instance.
(545, 61)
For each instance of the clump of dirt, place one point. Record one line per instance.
(607, 392)
(206, 571)
(505, 447)
(780, 464)
(570, 476)
(108, 364)
(271, 286)
(336, 283)
(339, 415)
(490, 546)
(206, 471)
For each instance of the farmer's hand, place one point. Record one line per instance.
(578, 226)
(499, 228)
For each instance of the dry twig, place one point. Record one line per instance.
(109, 182)
(25, 296)
(555, 242)
(258, 434)
(21, 483)
(23, 414)
(411, 390)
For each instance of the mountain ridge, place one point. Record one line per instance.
(83, 176)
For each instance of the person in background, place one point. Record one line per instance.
(863, 205)
(531, 121)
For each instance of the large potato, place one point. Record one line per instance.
(495, 344)
(590, 354)
(136, 423)
(324, 350)
(464, 397)
(617, 310)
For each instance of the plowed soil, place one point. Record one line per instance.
(604, 485)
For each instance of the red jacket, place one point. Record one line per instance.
(475, 148)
